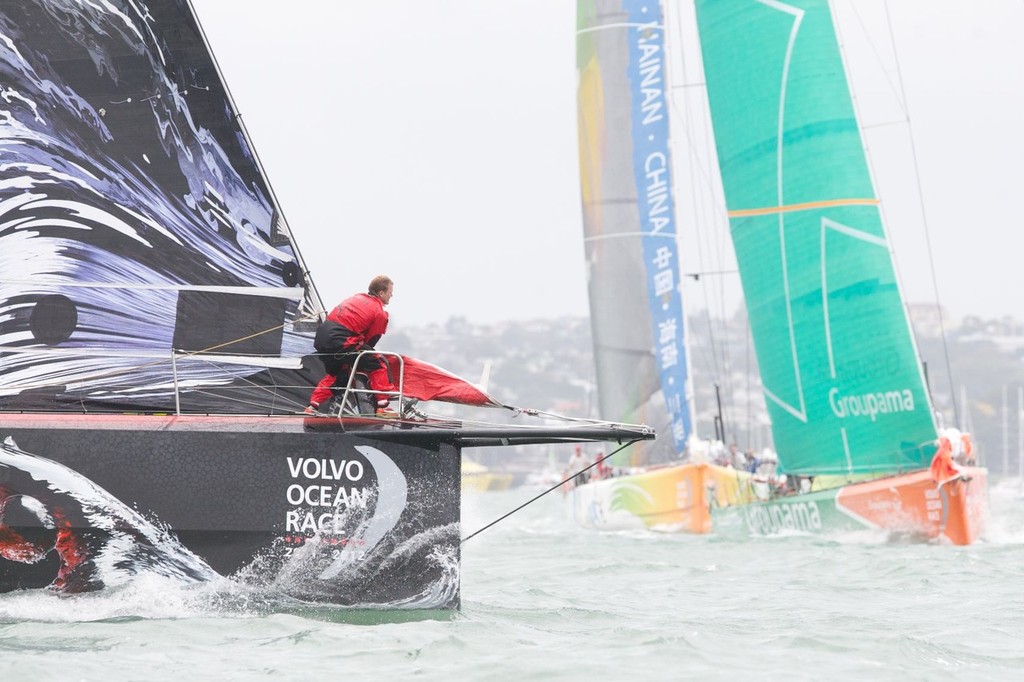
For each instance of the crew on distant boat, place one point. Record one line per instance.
(577, 463)
(356, 324)
(765, 479)
(752, 461)
(738, 460)
(966, 454)
(719, 455)
(955, 449)
(602, 469)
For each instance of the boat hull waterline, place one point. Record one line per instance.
(909, 505)
(329, 517)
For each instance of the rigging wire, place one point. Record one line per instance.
(899, 91)
(311, 291)
(710, 221)
(927, 232)
(554, 487)
(681, 114)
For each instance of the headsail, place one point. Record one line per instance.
(840, 369)
(135, 221)
(629, 220)
(424, 381)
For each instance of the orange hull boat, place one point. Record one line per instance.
(913, 503)
(675, 498)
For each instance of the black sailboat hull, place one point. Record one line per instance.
(341, 517)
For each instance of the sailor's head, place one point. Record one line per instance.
(381, 287)
(950, 438)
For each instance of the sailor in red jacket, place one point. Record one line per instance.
(944, 466)
(356, 324)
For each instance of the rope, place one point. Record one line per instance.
(555, 486)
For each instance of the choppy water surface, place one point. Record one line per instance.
(544, 599)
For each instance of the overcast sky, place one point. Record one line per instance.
(435, 141)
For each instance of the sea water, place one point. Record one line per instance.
(544, 599)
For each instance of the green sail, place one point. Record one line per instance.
(843, 384)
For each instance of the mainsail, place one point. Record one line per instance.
(629, 221)
(838, 362)
(145, 263)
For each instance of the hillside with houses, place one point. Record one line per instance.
(974, 368)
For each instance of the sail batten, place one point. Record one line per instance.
(806, 206)
(276, 292)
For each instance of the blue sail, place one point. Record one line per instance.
(629, 219)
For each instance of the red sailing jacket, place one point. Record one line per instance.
(943, 468)
(358, 322)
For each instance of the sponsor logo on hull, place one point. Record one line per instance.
(765, 519)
